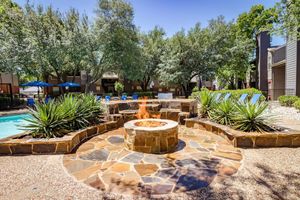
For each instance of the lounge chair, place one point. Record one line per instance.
(107, 98)
(243, 98)
(124, 97)
(217, 97)
(135, 97)
(30, 102)
(98, 98)
(47, 99)
(226, 97)
(255, 98)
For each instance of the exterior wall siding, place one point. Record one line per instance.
(291, 67)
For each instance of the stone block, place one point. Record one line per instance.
(172, 142)
(296, 141)
(63, 147)
(21, 149)
(44, 148)
(163, 144)
(75, 140)
(123, 106)
(189, 123)
(143, 149)
(208, 127)
(175, 105)
(101, 128)
(150, 141)
(4, 149)
(185, 107)
(284, 141)
(265, 141)
(139, 140)
(91, 131)
(82, 135)
(243, 142)
(111, 125)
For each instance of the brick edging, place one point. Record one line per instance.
(245, 139)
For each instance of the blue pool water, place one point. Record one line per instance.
(9, 125)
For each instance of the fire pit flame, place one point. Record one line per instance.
(144, 114)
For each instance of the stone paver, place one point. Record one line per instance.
(104, 163)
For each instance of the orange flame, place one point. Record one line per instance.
(143, 112)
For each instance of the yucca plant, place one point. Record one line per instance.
(66, 114)
(222, 113)
(252, 117)
(47, 120)
(207, 102)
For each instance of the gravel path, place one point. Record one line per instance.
(265, 174)
(290, 113)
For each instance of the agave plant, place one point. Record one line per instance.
(66, 114)
(47, 120)
(207, 101)
(252, 117)
(222, 113)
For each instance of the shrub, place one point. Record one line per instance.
(145, 94)
(119, 87)
(286, 100)
(69, 113)
(297, 104)
(222, 113)
(207, 101)
(235, 94)
(251, 117)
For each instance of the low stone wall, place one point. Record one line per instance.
(173, 109)
(66, 144)
(289, 138)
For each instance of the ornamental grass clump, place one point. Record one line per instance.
(250, 117)
(69, 113)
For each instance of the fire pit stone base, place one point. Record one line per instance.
(160, 139)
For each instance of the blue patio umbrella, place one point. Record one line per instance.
(69, 84)
(37, 84)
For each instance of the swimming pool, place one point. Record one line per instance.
(9, 125)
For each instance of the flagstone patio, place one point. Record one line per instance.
(104, 163)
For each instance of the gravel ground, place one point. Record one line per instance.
(265, 174)
(282, 111)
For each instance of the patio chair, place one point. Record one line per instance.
(30, 102)
(107, 98)
(47, 99)
(124, 97)
(217, 97)
(243, 98)
(98, 98)
(226, 97)
(255, 98)
(135, 96)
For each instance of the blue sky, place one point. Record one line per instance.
(172, 15)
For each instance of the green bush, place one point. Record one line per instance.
(251, 117)
(297, 104)
(222, 112)
(119, 87)
(145, 94)
(235, 94)
(64, 115)
(286, 100)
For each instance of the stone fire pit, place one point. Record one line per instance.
(151, 135)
